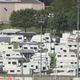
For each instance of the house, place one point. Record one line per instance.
(8, 6)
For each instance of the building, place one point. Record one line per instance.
(8, 6)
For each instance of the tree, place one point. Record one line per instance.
(64, 15)
(23, 18)
(53, 60)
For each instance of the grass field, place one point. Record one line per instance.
(29, 29)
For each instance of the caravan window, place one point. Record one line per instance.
(25, 66)
(71, 62)
(25, 48)
(14, 63)
(36, 67)
(75, 62)
(60, 70)
(9, 47)
(61, 66)
(70, 71)
(11, 70)
(35, 47)
(70, 45)
(31, 47)
(58, 55)
(64, 50)
(18, 70)
(65, 55)
(44, 68)
(19, 37)
(75, 45)
(72, 55)
(47, 37)
(31, 65)
(7, 54)
(9, 62)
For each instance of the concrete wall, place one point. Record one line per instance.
(5, 11)
(7, 8)
(19, 6)
(38, 6)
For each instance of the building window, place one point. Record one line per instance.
(13, 63)
(9, 47)
(11, 70)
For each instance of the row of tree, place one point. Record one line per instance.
(63, 18)
(30, 18)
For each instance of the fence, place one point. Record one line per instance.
(34, 77)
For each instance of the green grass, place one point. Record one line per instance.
(15, 44)
(5, 26)
(29, 29)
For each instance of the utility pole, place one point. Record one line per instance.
(41, 24)
(50, 16)
(77, 38)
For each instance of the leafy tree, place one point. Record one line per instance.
(23, 18)
(53, 60)
(64, 15)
